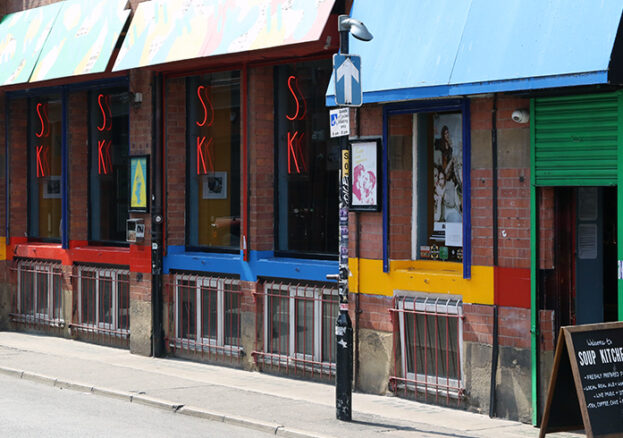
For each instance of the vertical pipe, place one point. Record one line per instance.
(467, 194)
(245, 165)
(385, 207)
(534, 248)
(494, 177)
(7, 170)
(64, 172)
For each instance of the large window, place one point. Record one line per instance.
(44, 168)
(104, 299)
(108, 170)
(213, 127)
(39, 291)
(306, 192)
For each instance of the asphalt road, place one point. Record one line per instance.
(29, 409)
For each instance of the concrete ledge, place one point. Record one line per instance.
(11, 372)
(248, 423)
(155, 402)
(297, 433)
(39, 378)
(112, 393)
(200, 413)
(73, 386)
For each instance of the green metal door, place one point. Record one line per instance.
(575, 140)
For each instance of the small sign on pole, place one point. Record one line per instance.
(339, 119)
(347, 72)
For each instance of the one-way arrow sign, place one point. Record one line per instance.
(347, 71)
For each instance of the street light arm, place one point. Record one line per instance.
(355, 27)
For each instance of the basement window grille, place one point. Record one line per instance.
(39, 293)
(429, 354)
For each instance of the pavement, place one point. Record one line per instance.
(257, 401)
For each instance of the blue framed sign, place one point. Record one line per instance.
(139, 183)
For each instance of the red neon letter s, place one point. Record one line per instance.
(42, 112)
(104, 121)
(205, 109)
(298, 115)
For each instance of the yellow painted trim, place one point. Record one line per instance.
(367, 277)
(2, 248)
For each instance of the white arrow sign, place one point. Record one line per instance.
(349, 72)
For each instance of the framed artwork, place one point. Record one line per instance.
(215, 185)
(52, 187)
(139, 183)
(365, 178)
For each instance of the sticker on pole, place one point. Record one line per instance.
(339, 119)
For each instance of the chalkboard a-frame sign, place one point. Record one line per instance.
(586, 388)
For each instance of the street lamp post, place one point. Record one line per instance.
(343, 325)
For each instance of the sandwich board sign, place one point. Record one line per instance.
(586, 388)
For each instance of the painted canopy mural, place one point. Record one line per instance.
(173, 30)
(82, 39)
(22, 36)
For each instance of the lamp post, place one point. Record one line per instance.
(343, 325)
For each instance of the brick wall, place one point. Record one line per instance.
(513, 325)
(261, 147)
(175, 117)
(140, 287)
(2, 164)
(18, 142)
(546, 228)
(375, 313)
(79, 166)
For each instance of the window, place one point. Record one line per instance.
(431, 339)
(39, 291)
(207, 312)
(307, 161)
(299, 323)
(213, 127)
(44, 169)
(104, 299)
(108, 170)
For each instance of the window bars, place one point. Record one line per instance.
(298, 322)
(206, 317)
(102, 302)
(39, 297)
(428, 340)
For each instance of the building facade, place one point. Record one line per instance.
(172, 189)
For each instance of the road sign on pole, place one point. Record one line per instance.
(347, 77)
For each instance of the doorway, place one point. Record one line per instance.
(582, 286)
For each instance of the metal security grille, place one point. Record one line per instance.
(298, 327)
(206, 316)
(575, 139)
(102, 303)
(39, 298)
(427, 344)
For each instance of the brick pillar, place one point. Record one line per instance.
(249, 312)
(78, 149)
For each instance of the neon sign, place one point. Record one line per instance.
(104, 143)
(296, 152)
(205, 144)
(43, 150)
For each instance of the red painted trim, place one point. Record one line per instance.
(138, 256)
(512, 287)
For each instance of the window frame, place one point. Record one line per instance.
(432, 306)
(114, 280)
(202, 283)
(449, 105)
(35, 268)
(295, 292)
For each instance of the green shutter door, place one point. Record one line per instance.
(575, 140)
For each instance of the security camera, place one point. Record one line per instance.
(521, 116)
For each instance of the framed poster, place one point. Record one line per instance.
(139, 183)
(365, 177)
(52, 187)
(215, 185)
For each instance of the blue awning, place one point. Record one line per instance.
(437, 48)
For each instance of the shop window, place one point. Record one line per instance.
(103, 299)
(40, 297)
(430, 330)
(207, 313)
(44, 169)
(213, 127)
(429, 146)
(307, 162)
(108, 170)
(299, 325)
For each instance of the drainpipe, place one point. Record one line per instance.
(157, 219)
(358, 310)
(7, 169)
(494, 172)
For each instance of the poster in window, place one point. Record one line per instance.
(52, 187)
(215, 185)
(365, 175)
(446, 238)
(138, 183)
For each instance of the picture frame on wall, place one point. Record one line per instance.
(139, 183)
(365, 175)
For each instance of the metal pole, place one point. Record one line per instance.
(343, 326)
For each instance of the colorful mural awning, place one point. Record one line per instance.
(82, 39)
(164, 31)
(22, 36)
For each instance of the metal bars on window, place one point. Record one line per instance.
(298, 323)
(39, 297)
(206, 316)
(428, 339)
(102, 301)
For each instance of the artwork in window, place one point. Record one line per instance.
(446, 238)
(365, 176)
(215, 185)
(52, 187)
(138, 183)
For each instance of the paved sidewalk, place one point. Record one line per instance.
(258, 401)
